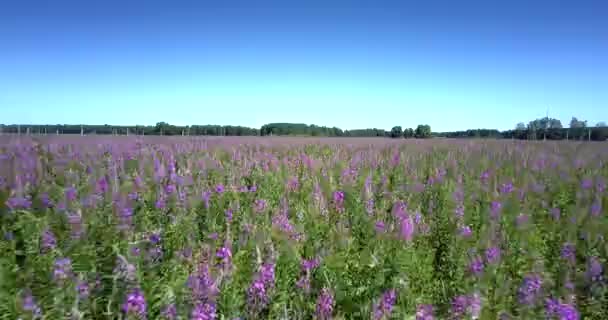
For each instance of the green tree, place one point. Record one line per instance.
(396, 132)
(423, 131)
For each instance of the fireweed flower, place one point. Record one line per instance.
(225, 256)
(325, 305)
(522, 220)
(202, 286)
(492, 255)
(70, 194)
(260, 205)
(257, 293)
(530, 290)
(379, 226)
(506, 187)
(76, 225)
(46, 200)
(587, 184)
(29, 304)
(555, 213)
(476, 266)
(338, 197)
(17, 202)
(135, 304)
(206, 195)
(495, 208)
(459, 306)
(596, 208)
(425, 312)
(228, 215)
(83, 289)
(594, 270)
(62, 269)
(406, 231)
(169, 312)
(568, 252)
(465, 231)
(384, 307)
(204, 312)
(219, 188)
(369, 206)
(562, 311)
(48, 241)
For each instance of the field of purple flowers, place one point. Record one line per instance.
(279, 228)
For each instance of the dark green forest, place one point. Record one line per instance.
(538, 129)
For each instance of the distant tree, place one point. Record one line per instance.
(575, 123)
(423, 131)
(600, 124)
(408, 133)
(520, 126)
(396, 132)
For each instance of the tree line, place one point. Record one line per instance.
(166, 129)
(539, 129)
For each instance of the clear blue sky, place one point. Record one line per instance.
(352, 64)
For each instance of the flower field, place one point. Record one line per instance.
(302, 228)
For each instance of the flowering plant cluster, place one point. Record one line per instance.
(197, 228)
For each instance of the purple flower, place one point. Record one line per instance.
(495, 208)
(16, 203)
(70, 194)
(225, 255)
(476, 266)
(594, 270)
(29, 304)
(568, 252)
(308, 265)
(425, 312)
(260, 205)
(338, 197)
(154, 238)
(459, 211)
(562, 311)
(369, 206)
(304, 283)
(325, 305)
(206, 196)
(459, 306)
(48, 241)
(555, 213)
(257, 296)
(384, 308)
(83, 289)
(204, 312)
(506, 187)
(46, 200)
(522, 220)
(492, 255)
(587, 184)
(530, 289)
(76, 226)
(169, 312)
(465, 231)
(63, 269)
(596, 208)
(379, 226)
(228, 214)
(135, 304)
(202, 285)
(219, 188)
(407, 228)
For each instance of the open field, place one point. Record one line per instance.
(105, 227)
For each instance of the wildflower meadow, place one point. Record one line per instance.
(101, 227)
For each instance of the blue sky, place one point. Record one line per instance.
(352, 64)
